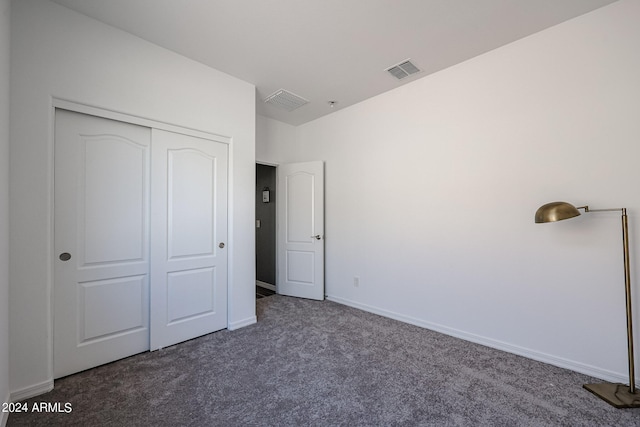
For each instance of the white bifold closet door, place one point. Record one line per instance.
(139, 217)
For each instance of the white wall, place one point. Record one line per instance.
(271, 135)
(59, 53)
(4, 202)
(431, 191)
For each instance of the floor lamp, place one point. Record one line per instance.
(618, 395)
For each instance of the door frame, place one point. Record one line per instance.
(275, 165)
(63, 104)
(278, 225)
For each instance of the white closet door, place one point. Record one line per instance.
(136, 222)
(101, 234)
(189, 237)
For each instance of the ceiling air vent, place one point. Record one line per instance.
(285, 100)
(403, 69)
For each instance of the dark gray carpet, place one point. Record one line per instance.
(309, 363)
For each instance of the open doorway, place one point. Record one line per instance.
(265, 230)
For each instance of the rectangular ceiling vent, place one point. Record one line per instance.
(403, 69)
(285, 100)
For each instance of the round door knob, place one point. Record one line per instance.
(221, 245)
(65, 256)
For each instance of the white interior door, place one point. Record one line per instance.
(301, 230)
(101, 289)
(189, 234)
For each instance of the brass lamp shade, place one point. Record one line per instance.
(556, 211)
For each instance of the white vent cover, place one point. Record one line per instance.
(403, 69)
(285, 100)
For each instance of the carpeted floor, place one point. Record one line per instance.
(310, 363)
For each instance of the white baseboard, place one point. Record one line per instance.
(4, 416)
(266, 285)
(572, 365)
(242, 323)
(32, 391)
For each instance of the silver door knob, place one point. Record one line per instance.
(65, 256)
(221, 245)
(317, 237)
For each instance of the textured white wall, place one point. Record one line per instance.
(431, 191)
(59, 53)
(5, 19)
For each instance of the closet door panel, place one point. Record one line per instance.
(101, 238)
(189, 223)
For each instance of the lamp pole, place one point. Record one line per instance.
(627, 293)
(627, 289)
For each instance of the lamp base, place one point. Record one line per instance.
(617, 395)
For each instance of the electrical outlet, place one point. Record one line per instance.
(356, 281)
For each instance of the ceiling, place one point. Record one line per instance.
(329, 50)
